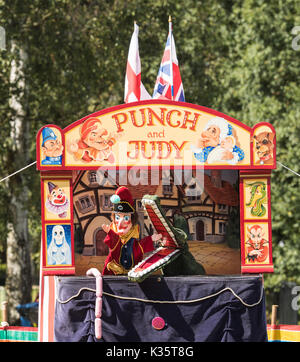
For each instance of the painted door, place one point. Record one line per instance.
(101, 248)
(200, 230)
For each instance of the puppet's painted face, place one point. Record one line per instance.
(123, 223)
(95, 138)
(211, 136)
(57, 196)
(58, 235)
(53, 148)
(256, 235)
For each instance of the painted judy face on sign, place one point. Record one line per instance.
(218, 134)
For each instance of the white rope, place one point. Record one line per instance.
(289, 169)
(21, 169)
(166, 301)
(33, 163)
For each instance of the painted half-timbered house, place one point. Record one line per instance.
(205, 210)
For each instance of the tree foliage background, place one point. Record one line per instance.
(234, 56)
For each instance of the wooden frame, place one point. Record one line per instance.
(161, 126)
(63, 222)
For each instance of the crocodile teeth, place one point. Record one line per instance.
(147, 201)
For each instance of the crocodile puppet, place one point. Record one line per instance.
(174, 257)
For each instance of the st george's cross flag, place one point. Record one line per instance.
(134, 88)
(168, 82)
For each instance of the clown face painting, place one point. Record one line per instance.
(57, 202)
(58, 245)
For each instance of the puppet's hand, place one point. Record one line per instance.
(256, 252)
(161, 242)
(227, 155)
(72, 147)
(201, 142)
(105, 228)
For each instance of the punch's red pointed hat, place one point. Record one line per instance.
(122, 200)
(90, 125)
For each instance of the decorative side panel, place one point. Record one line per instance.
(255, 219)
(50, 148)
(264, 145)
(57, 223)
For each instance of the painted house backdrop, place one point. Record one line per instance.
(202, 211)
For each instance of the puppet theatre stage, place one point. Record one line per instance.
(190, 309)
(77, 186)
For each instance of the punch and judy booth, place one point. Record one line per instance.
(199, 178)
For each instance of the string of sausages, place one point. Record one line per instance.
(98, 305)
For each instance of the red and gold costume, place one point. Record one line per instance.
(125, 248)
(113, 263)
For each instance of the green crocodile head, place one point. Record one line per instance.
(184, 263)
(180, 235)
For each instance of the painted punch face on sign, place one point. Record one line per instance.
(95, 143)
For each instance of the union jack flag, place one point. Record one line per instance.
(168, 82)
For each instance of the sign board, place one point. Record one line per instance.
(156, 133)
(163, 135)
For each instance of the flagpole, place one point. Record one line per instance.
(171, 58)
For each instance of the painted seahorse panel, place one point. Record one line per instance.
(256, 198)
